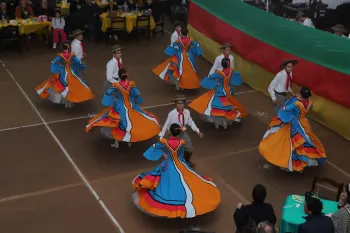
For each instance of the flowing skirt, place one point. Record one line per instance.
(292, 145)
(174, 190)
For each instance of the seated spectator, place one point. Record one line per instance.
(121, 4)
(110, 7)
(132, 6)
(341, 219)
(248, 216)
(23, 10)
(316, 221)
(304, 20)
(4, 14)
(153, 6)
(265, 227)
(43, 9)
(339, 30)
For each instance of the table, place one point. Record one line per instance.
(130, 23)
(292, 216)
(28, 27)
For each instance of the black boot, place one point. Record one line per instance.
(187, 157)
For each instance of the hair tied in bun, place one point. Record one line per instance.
(177, 130)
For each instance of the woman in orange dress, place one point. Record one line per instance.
(65, 87)
(289, 142)
(173, 189)
(218, 106)
(123, 119)
(180, 68)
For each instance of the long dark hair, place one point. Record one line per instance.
(175, 129)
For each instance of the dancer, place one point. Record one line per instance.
(124, 120)
(182, 116)
(281, 85)
(177, 33)
(218, 106)
(289, 142)
(226, 53)
(78, 49)
(65, 86)
(173, 189)
(180, 68)
(113, 67)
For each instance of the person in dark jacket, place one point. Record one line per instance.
(154, 7)
(258, 211)
(110, 7)
(91, 14)
(316, 222)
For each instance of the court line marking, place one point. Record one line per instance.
(81, 175)
(92, 115)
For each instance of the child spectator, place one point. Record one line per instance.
(58, 24)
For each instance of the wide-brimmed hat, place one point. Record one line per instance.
(226, 45)
(286, 62)
(339, 28)
(77, 32)
(180, 98)
(115, 48)
(300, 14)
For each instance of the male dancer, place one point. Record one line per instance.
(77, 48)
(226, 53)
(281, 85)
(113, 67)
(182, 117)
(177, 33)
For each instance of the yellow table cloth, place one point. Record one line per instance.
(29, 27)
(130, 23)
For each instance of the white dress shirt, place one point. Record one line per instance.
(308, 23)
(58, 23)
(174, 37)
(278, 84)
(112, 69)
(217, 63)
(173, 118)
(77, 49)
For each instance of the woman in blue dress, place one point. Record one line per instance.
(173, 189)
(218, 105)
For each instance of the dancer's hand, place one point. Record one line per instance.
(200, 135)
(85, 55)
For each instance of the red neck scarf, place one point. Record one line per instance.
(66, 54)
(124, 83)
(288, 81)
(82, 46)
(226, 71)
(181, 117)
(120, 66)
(178, 33)
(226, 56)
(185, 40)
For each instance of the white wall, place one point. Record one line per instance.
(331, 3)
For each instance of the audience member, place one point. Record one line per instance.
(153, 5)
(110, 7)
(304, 20)
(339, 30)
(4, 14)
(132, 6)
(58, 24)
(23, 10)
(258, 211)
(44, 9)
(341, 219)
(316, 221)
(91, 15)
(265, 227)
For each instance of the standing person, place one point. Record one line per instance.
(113, 67)
(58, 24)
(123, 120)
(226, 53)
(281, 85)
(173, 189)
(78, 48)
(65, 86)
(218, 106)
(181, 116)
(180, 68)
(177, 33)
(341, 218)
(289, 142)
